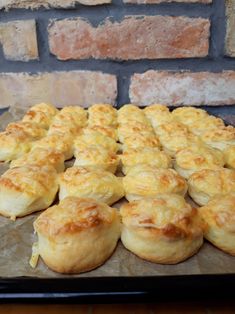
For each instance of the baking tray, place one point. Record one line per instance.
(123, 278)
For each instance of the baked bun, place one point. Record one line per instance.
(77, 115)
(190, 160)
(71, 115)
(57, 129)
(38, 117)
(188, 115)
(32, 129)
(147, 181)
(57, 142)
(229, 155)
(174, 143)
(129, 113)
(41, 114)
(220, 138)
(14, 144)
(219, 216)
(171, 129)
(149, 156)
(139, 140)
(206, 184)
(134, 128)
(77, 235)
(208, 123)
(49, 109)
(158, 118)
(162, 230)
(105, 130)
(155, 108)
(27, 189)
(96, 157)
(98, 184)
(41, 157)
(90, 137)
(102, 114)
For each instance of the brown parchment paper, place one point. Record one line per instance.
(17, 239)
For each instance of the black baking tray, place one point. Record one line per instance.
(122, 289)
(119, 289)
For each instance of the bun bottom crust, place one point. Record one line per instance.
(160, 250)
(22, 207)
(221, 239)
(78, 253)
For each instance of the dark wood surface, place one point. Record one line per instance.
(212, 307)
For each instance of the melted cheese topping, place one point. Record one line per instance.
(73, 215)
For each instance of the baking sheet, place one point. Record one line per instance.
(17, 239)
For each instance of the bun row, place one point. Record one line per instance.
(152, 157)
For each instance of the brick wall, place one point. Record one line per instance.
(68, 52)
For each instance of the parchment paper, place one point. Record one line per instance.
(17, 239)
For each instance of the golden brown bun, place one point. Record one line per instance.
(158, 118)
(91, 137)
(174, 143)
(133, 128)
(77, 235)
(220, 138)
(188, 115)
(219, 216)
(78, 115)
(39, 117)
(147, 181)
(208, 123)
(56, 129)
(150, 156)
(139, 140)
(27, 189)
(132, 113)
(172, 128)
(102, 114)
(49, 109)
(57, 142)
(229, 155)
(163, 230)
(206, 184)
(190, 160)
(98, 184)
(96, 157)
(156, 108)
(41, 157)
(105, 130)
(71, 115)
(69, 120)
(42, 114)
(14, 144)
(32, 129)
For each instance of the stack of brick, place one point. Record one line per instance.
(70, 52)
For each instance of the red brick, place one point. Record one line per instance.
(135, 37)
(183, 88)
(19, 40)
(160, 1)
(59, 88)
(35, 4)
(230, 34)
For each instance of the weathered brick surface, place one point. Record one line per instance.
(35, 4)
(60, 88)
(135, 37)
(183, 88)
(230, 34)
(19, 40)
(160, 1)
